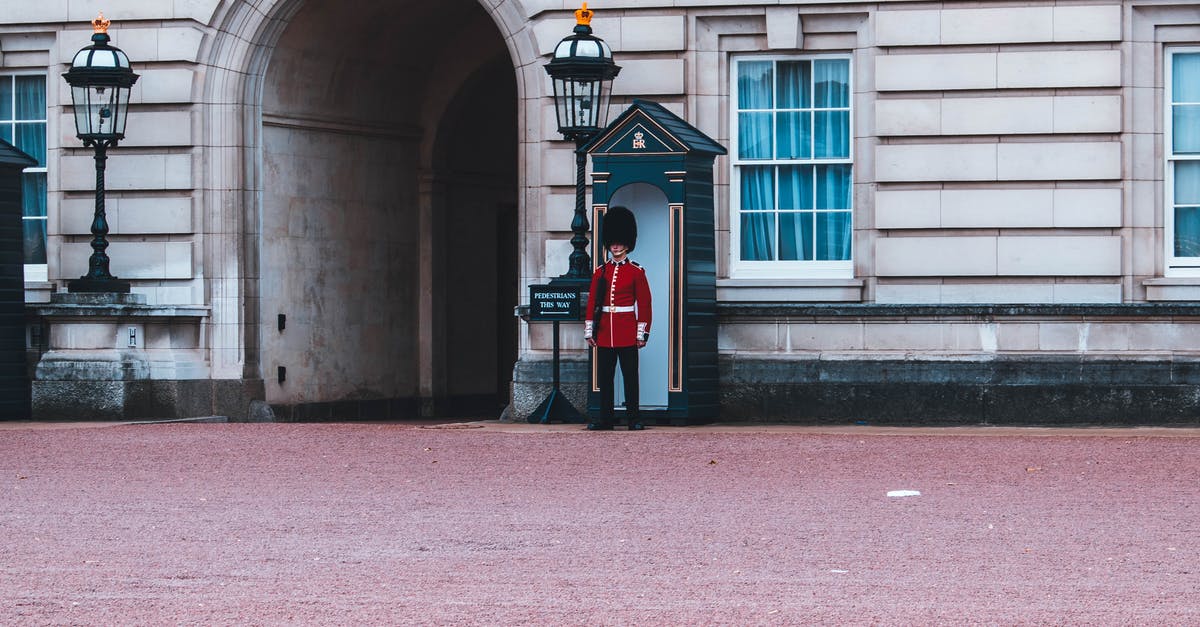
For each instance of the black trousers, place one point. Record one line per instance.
(606, 363)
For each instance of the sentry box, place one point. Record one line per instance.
(661, 168)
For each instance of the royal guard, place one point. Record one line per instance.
(619, 324)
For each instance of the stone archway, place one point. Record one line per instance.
(352, 223)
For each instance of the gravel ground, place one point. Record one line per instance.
(268, 524)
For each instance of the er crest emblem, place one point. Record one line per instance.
(639, 143)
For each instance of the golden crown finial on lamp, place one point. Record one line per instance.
(584, 16)
(100, 24)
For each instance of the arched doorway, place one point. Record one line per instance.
(387, 256)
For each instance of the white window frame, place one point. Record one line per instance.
(1175, 266)
(783, 269)
(34, 272)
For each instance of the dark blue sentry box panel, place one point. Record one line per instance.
(14, 382)
(647, 144)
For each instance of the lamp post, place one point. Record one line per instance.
(582, 70)
(100, 79)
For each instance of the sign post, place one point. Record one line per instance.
(556, 302)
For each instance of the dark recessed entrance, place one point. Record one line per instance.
(389, 212)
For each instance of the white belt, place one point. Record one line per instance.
(617, 309)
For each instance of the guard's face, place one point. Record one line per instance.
(617, 249)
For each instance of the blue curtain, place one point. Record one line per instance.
(796, 187)
(1185, 129)
(1185, 88)
(793, 135)
(835, 186)
(754, 135)
(758, 227)
(832, 83)
(833, 236)
(6, 98)
(796, 236)
(1187, 218)
(832, 128)
(1185, 77)
(754, 92)
(31, 105)
(793, 88)
(796, 229)
(754, 85)
(812, 207)
(34, 210)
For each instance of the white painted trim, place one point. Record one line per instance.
(739, 268)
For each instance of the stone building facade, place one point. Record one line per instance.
(975, 211)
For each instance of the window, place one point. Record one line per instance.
(1183, 162)
(23, 124)
(792, 167)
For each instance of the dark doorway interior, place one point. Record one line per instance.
(476, 153)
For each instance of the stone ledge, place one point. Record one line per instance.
(1054, 390)
(144, 399)
(734, 310)
(789, 291)
(109, 304)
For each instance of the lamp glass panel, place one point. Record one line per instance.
(603, 99)
(102, 109)
(587, 48)
(583, 104)
(80, 97)
(105, 58)
(122, 111)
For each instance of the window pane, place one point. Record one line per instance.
(796, 236)
(758, 188)
(31, 138)
(1187, 183)
(31, 98)
(35, 241)
(793, 135)
(33, 194)
(754, 85)
(832, 80)
(1187, 231)
(6, 98)
(833, 186)
(1185, 77)
(833, 236)
(795, 187)
(833, 135)
(754, 135)
(758, 235)
(793, 88)
(6, 132)
(1185, 129)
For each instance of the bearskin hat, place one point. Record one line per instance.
(619, 227)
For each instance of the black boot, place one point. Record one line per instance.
(635, 423)
(599, 426)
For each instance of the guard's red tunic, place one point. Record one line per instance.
(624, 295)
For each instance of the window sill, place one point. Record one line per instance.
(1172, 289)
(790, 290)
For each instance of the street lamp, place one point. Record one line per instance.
(100, 79)
(581, 70)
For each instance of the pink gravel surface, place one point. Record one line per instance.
(269, 524)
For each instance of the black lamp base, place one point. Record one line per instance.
(88, 284)
(556, 408)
